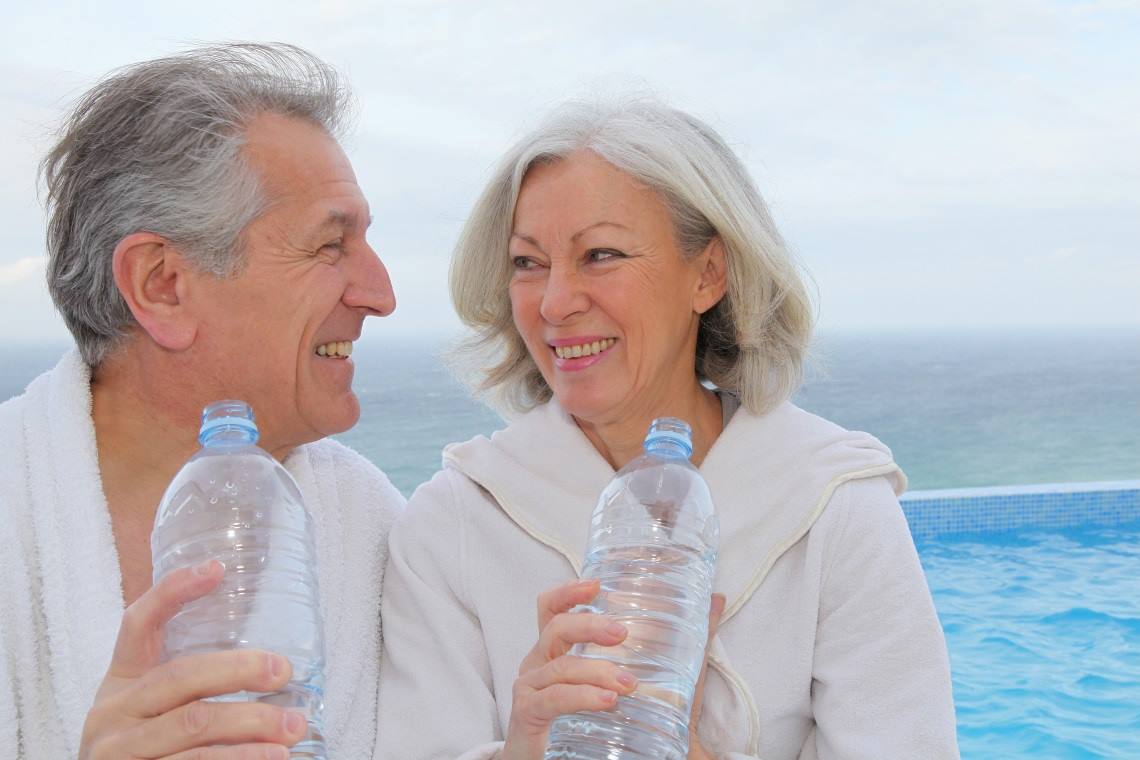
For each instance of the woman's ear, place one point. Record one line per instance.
(713, 276)
(153, 278)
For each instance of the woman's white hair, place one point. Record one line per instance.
(752, 343)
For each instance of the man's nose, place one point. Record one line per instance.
(370, 288)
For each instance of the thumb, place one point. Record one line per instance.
(138, 647)
(716, 609)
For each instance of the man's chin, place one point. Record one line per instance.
(337, 418)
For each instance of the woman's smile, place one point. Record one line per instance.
(574, 354)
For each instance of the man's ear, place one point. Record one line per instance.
(154, 279)
(714, 277)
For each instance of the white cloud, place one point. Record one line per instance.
(897, 141)
(22, 270)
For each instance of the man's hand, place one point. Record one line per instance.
(149, 709)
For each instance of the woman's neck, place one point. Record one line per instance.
(620, 440)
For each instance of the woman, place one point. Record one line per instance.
(620, 263)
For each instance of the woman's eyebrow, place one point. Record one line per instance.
(526, 238)
(575, 236)
(603, 223)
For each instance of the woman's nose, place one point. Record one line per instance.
(564, 296)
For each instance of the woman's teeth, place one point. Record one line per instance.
(338, 348)
(585, 349)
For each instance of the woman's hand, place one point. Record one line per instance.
(552, 683)
(696, 751)
(148, 709)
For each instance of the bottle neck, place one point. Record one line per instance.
(228, 435)
(669, 438)
(228, 423)
(665, 448)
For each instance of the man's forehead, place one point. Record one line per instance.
(291, 156)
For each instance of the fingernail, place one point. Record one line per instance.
(205, 568)
(276, 753)
(609, 697)
(294, 722)
(627, 679)
(276, 665)
(615, 629)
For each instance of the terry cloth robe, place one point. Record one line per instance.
(61, 591)
(829, 647)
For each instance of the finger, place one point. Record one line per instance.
(563, 598)
(240, 752)
(538, 708)
(139, 645)
(202, 724)
(185, 679)
(567, 629)
(580, 670)
(716, 609)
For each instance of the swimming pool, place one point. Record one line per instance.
(1039, 595)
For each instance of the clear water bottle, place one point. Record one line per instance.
(653, 544)
(235, 503)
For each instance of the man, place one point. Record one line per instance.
(206, 240)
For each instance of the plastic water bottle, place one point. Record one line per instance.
(653, 543)
(235, 503)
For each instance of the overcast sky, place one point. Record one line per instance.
(972, 163)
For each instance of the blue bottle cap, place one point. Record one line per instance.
(670, 430)
(228, 415)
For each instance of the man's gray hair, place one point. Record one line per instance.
(157, 147)
(753, 342)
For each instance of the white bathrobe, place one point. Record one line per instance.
(60, 586)
(829, 646)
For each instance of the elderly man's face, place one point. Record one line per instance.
(283, 326)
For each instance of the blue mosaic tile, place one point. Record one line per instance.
(1007, 509)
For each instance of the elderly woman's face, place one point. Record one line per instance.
(604, 300)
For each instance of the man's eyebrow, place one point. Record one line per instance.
(342, 219)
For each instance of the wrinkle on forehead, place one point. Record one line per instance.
(561, 201)
(292, 156)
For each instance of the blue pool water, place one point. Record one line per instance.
(1043, 629)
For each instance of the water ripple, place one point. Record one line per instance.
(1044, 637)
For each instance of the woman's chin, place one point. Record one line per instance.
(582, 404)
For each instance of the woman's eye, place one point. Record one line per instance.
(522, 262)
(604, 254)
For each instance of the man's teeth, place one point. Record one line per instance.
(336, 348)
(585, 349)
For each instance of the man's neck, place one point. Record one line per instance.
(146, 409)
(143, 432)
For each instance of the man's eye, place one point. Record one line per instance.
(335, 248)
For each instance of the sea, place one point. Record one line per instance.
(959, 408)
